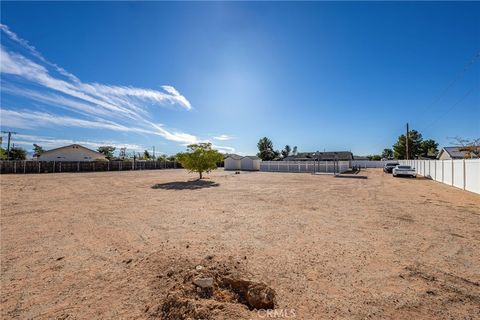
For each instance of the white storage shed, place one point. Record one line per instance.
(250, 163)
(233, 162)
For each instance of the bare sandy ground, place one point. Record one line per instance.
(116, 244)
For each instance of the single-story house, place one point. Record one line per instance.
(449, 153)
(251, 163)
(232, 162)
(321, 156)
(73, 152)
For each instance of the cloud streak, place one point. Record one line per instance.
(87, 105)
(222, 137)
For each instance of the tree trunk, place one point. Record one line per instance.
(200, 175)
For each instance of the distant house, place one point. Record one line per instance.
(448, 153)
(74, 152)
(321, 156)
(232, 162)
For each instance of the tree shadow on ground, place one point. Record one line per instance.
(186, 185)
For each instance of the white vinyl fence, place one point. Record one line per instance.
(305, 166)
(368, 163)
(463, 174)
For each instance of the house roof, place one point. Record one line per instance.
(72, 146)
(454, 152)
(253, 157)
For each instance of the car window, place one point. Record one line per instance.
(404, 167)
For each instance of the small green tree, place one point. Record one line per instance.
(414, 145)
(200, 158)
(429, 148)
(286, 151)
(107, 151)
(17, 153)
(38, 150)
(294, 151)
(146, 155)
(3, 154)
(265, 149)
(387, 153)
(374, 157)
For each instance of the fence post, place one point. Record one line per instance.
(108, 165)
(78, 166)
(60, 167)
(24, 166)
(453, 172)
(14, 166)
(464, 176)
(443, 172)
(54, 166)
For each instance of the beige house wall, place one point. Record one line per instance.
(71, 153)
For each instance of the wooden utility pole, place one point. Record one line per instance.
(406, 143)
(8, 143)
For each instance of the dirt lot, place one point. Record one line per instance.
(128, 244)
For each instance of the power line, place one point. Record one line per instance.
(451, 107)
(457, 77)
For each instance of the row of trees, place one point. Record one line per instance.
(109, 152)
(266, 151)
(417, 148)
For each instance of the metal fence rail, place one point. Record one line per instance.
(32, 166)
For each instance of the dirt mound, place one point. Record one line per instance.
(210, 289)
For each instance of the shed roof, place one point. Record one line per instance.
(235, 156)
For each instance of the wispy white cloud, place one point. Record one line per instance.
(222, 137)
(97, 106)
(34, 119)
(224, 149)
(33, 51)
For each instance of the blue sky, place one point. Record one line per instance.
(334, 76)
